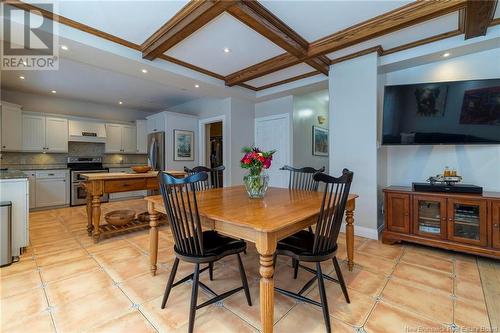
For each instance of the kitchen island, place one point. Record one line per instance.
(100, 183)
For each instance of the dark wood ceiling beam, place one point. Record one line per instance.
(263, 68)
(260, 19)
(478, 16)
(188, 20)
(406, 16)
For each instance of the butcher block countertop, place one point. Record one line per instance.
(126, 175)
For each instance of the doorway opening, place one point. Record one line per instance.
(214, 148)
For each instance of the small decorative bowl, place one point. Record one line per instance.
(141, 168)
(120, 217)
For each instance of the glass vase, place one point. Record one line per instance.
(256, 185)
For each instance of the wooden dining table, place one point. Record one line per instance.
(281, 213)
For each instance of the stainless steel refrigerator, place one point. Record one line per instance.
(156, 150)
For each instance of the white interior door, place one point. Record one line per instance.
(274, 133)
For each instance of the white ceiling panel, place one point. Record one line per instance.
(281, 75)
(411, 34)
(316, 19)
(80, 81)
(205, 48)
(133, 21)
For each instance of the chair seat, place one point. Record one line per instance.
(300, 246)
(215, 247)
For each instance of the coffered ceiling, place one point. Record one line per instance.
(261, 44)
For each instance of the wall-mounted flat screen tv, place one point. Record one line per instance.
(459, 112)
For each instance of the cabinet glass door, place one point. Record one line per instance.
(430, 216)
(467, 220)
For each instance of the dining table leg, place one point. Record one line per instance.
(96, 217)
(349, 231)
(90, 227)
(153, 238)
(266, 246)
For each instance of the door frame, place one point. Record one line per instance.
(289, 132)
(226, 178)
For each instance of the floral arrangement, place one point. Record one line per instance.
(255, 160)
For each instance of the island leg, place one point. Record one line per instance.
(90, 227)
(266, 246)
(349, 231)
(96, 217)
(153, 237)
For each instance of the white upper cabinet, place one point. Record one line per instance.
(33, 133)
(156, 123)
(142, 136)
(129, 139)
(121, 138)
(113, 138)
(45, 134)
(12, 128)
(56, 135)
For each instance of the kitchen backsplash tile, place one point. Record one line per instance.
(11, 159)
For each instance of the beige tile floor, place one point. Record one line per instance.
(66, 283)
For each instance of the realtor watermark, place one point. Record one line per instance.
(29, 39)
(454, 329)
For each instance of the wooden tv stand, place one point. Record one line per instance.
(461, 222)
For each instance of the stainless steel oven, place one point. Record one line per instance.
(79, 166)
(78, 192)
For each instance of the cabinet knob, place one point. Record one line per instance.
(4, 146)
(496, 225)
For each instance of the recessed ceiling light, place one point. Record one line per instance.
(21, 77)
(120, 102)
(64, 47)
(227, 50)
(144, 70)
(53, 91)
(196, 85)
(447, 54)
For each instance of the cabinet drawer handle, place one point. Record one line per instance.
(51, 174)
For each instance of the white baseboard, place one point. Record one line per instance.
(363, 231)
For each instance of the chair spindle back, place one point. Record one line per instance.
(179, 198)
(332, 210)
(213, 181)
(303, 178)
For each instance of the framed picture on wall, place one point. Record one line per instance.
(320, 141)
(183, 145)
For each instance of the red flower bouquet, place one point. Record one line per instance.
(255, 161)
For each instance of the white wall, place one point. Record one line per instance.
(58, 105)
(479, 165)
(178, 121)
(242, 134)
(353, 133)
(306, 109)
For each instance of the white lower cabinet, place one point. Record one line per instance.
(52, 188)
(16, 191)
(32, 188)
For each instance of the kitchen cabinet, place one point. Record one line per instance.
(51, 188)
(156, 123)
(33, 133)
(56, 135)
(44, 134)
(32, 188)
(16, 191)
(12, 128)
(142, 136)
(121, 138)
